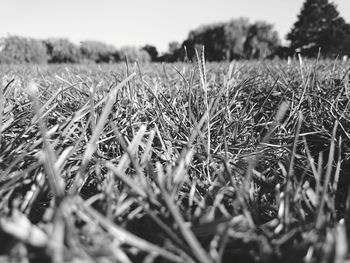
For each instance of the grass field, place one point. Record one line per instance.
(240, 162)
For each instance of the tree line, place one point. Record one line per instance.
(16, 49)
(319, 30)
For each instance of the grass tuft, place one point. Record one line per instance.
(243, 162)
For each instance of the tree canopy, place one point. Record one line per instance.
(152, 51)
(320, 26)
(15, 49)
(61, 50)
(261, 40)
(235, 39)
(97, 51)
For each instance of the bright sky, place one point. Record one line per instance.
(140, 22)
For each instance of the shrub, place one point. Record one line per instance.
(16, 50)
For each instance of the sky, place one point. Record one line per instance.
(140, 22)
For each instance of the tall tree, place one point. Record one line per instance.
(212, 36)
(236, 31)
(319, 25)
(233, 40)
(261, 41)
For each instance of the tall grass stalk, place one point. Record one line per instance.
(91, 146)
(1, 109)
(249, 166)
(48, 156)
(124, 237)
(204, 84)
(320, 218)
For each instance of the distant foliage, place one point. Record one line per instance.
(261, 41)
(233, 40)
(152, 51)
(134, 54)
(236, 31)
(16, 50)
(212, 37)
(99, 52)
(61, 50)
(176, 53)
(173, 46)
(320, 27)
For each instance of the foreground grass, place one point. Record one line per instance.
(243, 162)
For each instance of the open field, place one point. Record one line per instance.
(240, 162)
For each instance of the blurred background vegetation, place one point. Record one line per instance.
(318, 31)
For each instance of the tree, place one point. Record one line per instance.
(61, 50)
(319, 25)
(98, 52)
(212, 37)
(233, 40)
(17, 50)
(236, 31)
(261, 40)
(134, 54)
(173, 46)
(152, 51)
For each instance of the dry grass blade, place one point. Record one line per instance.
(315, 171)
(63, 157)
(1, 109)
(48, 157)
(46, 105)
(92, 108)
(55, 181)
(91, 146)
(2, 105)
(131, 149)
(56, 242)
(320, 214)
(290, 173)
(341, 242)
(146, 157)
(130, 156)
(126, 237)
(197, 250)
(20, 227)
(203, 78)
(178, 241)
(150, 195)
(126, 179)
(338, 168)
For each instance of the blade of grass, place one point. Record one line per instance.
(91, 146)
(195, 246)
(126, 237)
(320, 218)
(1, 110)
(287, 199)
(203, 78)
(48, 158)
